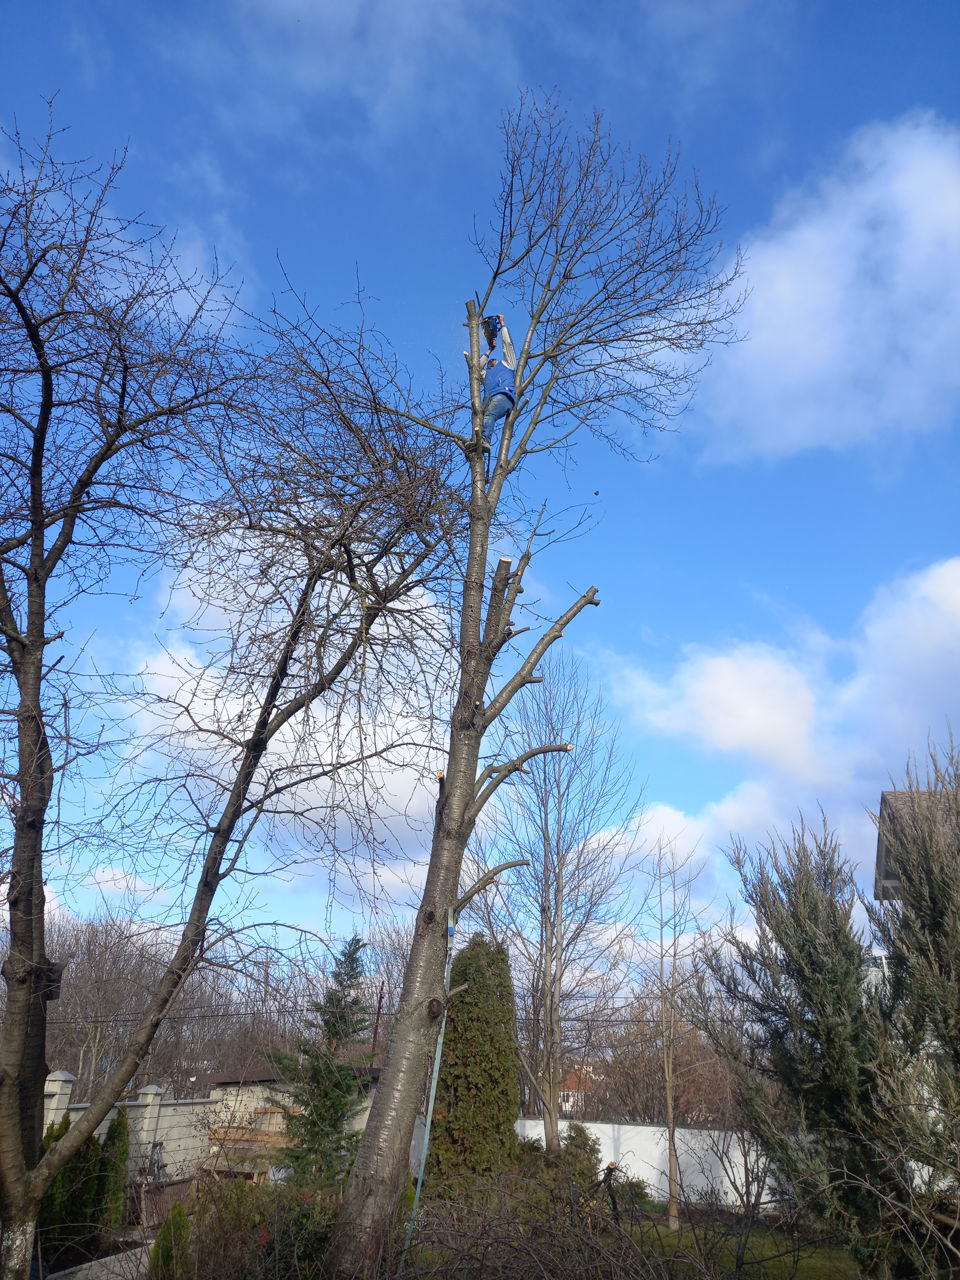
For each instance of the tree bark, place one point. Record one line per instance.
(16, 1240)
(673, 1166)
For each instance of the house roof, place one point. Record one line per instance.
(898, 810)
(261, 1072)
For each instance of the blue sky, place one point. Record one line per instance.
(780, 624)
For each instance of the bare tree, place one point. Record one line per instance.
(247, 998)
(568, 917)
(106, 353)
(388, 949)
(631, 1085)
(614, 264)
(677, 933)
(308, 521)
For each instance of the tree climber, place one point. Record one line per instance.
(499, 390)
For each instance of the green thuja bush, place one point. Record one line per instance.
(69, 1220)
(52, 1215)
(82, 1204)
(113, 1174)
(477, 1104)
(169, 1257)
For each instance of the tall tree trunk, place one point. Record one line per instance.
(379, 1173)
(551, 1047)
(673, 1166)
(667, 1027)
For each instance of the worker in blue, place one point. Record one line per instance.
(499, 389)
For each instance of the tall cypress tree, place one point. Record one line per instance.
(477, 1100)
(918, 928)
(113, 1173)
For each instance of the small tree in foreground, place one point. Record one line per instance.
(169, 1256)
(113, 1177)
(83, 1205)
(473, 1132)
(323, 1091)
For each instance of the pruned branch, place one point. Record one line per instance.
(487, 878)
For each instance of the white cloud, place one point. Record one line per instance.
(701, 40)
(375, 67)
(116, 881)
(853, 324)
(752, 699)
(824, 722)
(746, 808)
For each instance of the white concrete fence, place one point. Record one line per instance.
(724, 1168)
(171, 1138)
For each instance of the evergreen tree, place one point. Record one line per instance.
(169, 1257)
(918, 929)
(849, 1084)
(82, 1195)
(322, 1084)
(343, 1016)
(113, 1173)
(69, 1214)
(801, 1021)
(52, 1215)
(477, 1101)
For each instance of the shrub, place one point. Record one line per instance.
(169, 1257)
(51, 1218)
(581, 1153)
(69, 1218)
(246, 1232)
(113, 1174)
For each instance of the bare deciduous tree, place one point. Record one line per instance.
(248, 997)
(631, 1085)
(309, 519)
(676, 929)
(615, 265)
(106, 355)
(568, 918)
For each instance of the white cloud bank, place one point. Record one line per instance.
(825, 721)
(853, 321)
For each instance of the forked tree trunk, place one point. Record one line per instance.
(380, 1172)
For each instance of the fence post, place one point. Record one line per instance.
(56, 1096)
